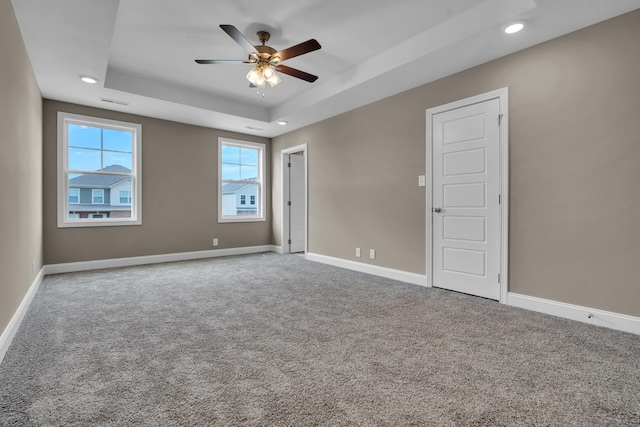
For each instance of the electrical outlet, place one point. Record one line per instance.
(33, 267)
(372, 253)
(357, 252)
(215, 242)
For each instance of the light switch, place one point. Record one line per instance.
(422, 181)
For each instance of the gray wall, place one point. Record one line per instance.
(179, 195)
(20, 168)
(574, 169)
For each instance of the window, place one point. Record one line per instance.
(99, 162)
(74, 195)
(125, 197)
(97, 197)
(240, 174)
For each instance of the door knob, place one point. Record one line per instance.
(437, 210)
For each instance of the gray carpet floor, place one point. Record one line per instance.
(277, 340)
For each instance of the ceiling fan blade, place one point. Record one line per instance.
(297, 50)
(221, 61)
(235, 34)
(296, 73)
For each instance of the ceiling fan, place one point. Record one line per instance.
(266, 59)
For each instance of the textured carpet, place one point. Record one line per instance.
(272, 339)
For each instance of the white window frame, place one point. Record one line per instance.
(95, 191)
(261, 200)
(64, 119)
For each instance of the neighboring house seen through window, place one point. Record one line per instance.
(99, 163)
(241, 174)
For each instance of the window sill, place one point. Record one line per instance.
(95, 223)
(240, 219)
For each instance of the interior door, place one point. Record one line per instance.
(466, 199)
(297, 207)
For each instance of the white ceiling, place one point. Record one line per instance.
(143, 51)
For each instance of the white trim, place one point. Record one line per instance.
(278, 249)
(152, 259)
(389, 273)
(62, 171)
(262, 165)
(12, 327)
(285, 182)
(503, 96)
(607, 319)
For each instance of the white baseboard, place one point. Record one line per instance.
(152, 259)
(389, 273)
(277, 249)
(11, 329)
(608, 319)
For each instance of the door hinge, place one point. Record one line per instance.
(289, 203)
(289, 241)
(499, 119)
(498, 277)
(499, 199)
(289, 164)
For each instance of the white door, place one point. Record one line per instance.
(297, 207)
(466, 206)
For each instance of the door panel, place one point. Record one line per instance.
(297, 210)
(470, 195)
(470, 229)
(466, 185)
(464, 162)
(464, 261)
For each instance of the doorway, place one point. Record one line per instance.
(467, 202)
(294, 197)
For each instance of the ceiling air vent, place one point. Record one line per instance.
(254, 128)
(114, 101)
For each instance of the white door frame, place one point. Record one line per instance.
(285, 196)
(503, 96)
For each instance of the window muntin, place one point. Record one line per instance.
(241, 177)
(97, 160)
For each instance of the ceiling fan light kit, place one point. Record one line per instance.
(261, 74)
(266, 59)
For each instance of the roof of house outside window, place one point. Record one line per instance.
(100, 181)
(232, 188)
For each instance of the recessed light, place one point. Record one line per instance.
(514, 28)
(282, 122)
(89, 79)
